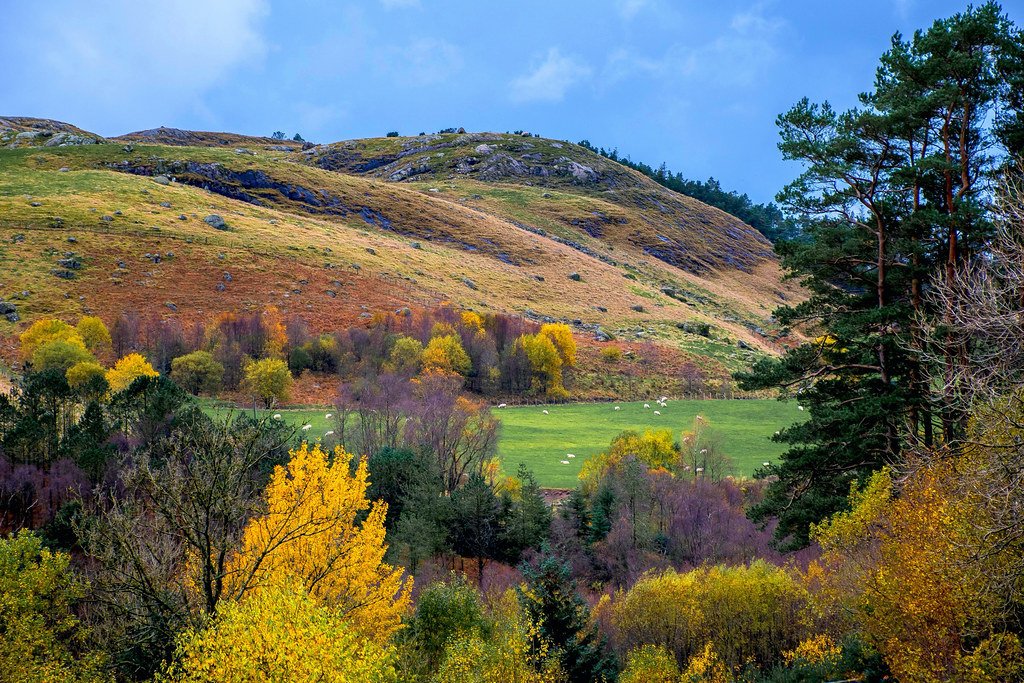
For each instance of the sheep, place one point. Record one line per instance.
(565, 462)
(703, 451)
(328, 416)
(616, 407)
(329, 432)
(800, 407)
(657, 412)
(502, 405)
(699, 470)
(663, 399)
(545, 412)
(570, 455)
(766, 464)
(306, 427)
(277, 416)
(647, 405)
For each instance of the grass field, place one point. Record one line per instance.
(543, 441)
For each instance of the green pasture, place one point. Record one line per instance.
(543, 441)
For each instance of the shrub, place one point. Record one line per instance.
(611, 354)
(197, 372)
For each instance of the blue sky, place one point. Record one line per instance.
(693, 83)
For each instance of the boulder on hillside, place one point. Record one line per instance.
(216, 222)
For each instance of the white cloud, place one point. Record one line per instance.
(630, 8)
(426, 61)
(124, 56)
(549, 79)
(737, 56)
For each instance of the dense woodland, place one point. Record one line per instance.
(147, 541)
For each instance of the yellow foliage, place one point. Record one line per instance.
(706, 667)
(902, 567)
(655, 448)
(817, 649)
(560, 335)
(94, 333)
(278, 633)
(473, 321)
(311, 531)
(505, 656)
(546, 364)
(45, 330)
(127, 370)
(445, 353)
(269, 379)
(406, 355)
(80, 373)
(745, 613)
(650, 664)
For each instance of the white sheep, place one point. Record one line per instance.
(565, 462)
(306, 427)
(663, 399)
(657, 412)
(647, 405)
(502, 405)
(800, 407)
(699, 470)
(703, 451)
(766, 464)
(570, 455)
(616, 407)
(328, 416)
(277, 416)
(329, 432)
(545, 412)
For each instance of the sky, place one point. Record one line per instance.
(691, 83)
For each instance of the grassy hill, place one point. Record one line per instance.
(487, 221)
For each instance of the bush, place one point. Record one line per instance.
(392, 134)
(197, 372)
(611, 354)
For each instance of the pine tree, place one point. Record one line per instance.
(892, 192)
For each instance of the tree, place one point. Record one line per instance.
(278, 633)
(44, 330)
(269, 380)
(44, 641)
(891, 192)
(128, 369)
(160, 548)
(545, 363)
(445, 610)
(60, 354)
(476, 521)
(445, 353)
(297, 138)
(197, 372)
(320, 528)
(406, 356)
(88, 376)
(94, 333)
(528, 519)
(277, 135)
(562, 619)
(560, 335)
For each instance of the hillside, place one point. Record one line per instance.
(508, 223)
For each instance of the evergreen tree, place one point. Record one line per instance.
(563, 623)
(891, 192)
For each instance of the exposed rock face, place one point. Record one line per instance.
(216, 222)
(23, 131)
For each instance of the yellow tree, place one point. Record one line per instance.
(94, 333)
(560, 335)
(127, 370)
(269, 380)
(311, 530)
(445, 353)
(278, 633)
(46, 330)
(545, 364)
(906, 570)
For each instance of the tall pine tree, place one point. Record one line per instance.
(893, 193)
